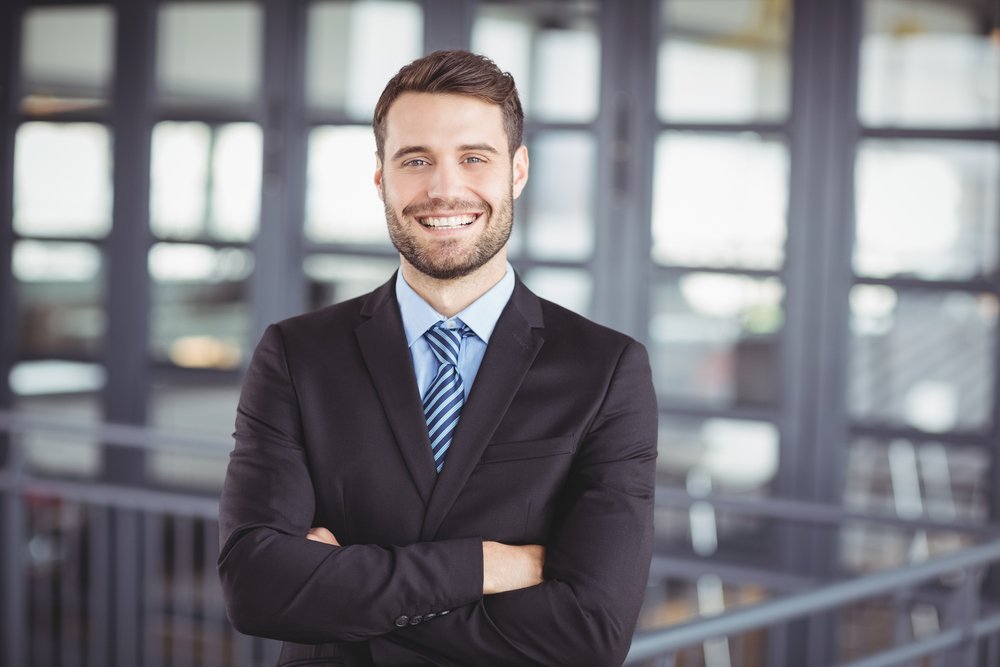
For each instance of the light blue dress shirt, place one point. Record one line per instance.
(481, 316)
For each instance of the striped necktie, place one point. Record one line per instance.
(444, 398)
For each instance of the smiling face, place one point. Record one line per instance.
(448, 183)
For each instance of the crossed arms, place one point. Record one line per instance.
(506, 567)
(573, 600)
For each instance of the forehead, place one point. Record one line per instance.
(442, 120)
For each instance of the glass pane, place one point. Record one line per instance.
(926, 63)
(342, 204)
(738, 456)
(923, 359)
(559, 202)
(927, 209)
(336, 278)
(570, 288)
(724, 61)
(60, 289)
(46, 377)
(199, 404)
(205, 181)
(209, 51)
(66, 392)
(72, 159)
(705, 456)
(348, 56)
(553, 51)
(713, 339)
(912, 480)
(66, 58)
(200, 315)
(720, 200)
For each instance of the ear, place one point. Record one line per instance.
(378, 177)
(519, 169)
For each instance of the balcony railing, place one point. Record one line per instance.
(109, 575)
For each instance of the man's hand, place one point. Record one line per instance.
(507, 567)
(323, 535)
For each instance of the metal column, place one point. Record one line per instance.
(126, 356)
(11, 542)
(817, 277)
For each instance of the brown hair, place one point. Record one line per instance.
(457, 73)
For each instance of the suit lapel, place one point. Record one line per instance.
(511, 350)
(384, 350)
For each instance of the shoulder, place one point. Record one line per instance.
(326, 319)
(559, 318)
(338, 319)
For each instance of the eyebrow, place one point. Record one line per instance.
(410, 150)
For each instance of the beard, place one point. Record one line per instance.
(448, 259)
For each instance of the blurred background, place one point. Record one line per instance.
(792, 203)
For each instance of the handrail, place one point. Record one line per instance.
(799, 510)
(936, 643)
(205, 506)
(658, 642)
(150, 438)
(645, 645)
(140, 437)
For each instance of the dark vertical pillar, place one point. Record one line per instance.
(127, 247)
(626, 133)
(990, 21)
(12, 614)
(278, 283)
(992, 580)
(448, 24)
(128, 310)
(10, 23)
(818, 279)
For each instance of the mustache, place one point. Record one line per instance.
(447, 206)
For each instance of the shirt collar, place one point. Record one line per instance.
(481, 315)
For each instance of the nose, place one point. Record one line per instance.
(446, 182)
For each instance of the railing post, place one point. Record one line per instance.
(127, 553)
(963, 609)
(12, 553)
(902, 622)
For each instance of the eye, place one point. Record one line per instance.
(474, 159)
(416, 162)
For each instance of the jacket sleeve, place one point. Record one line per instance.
(597, 561)
(279, 585)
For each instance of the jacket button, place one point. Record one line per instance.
(415, 620)
(402, 621)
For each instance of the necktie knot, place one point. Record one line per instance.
(446, 342)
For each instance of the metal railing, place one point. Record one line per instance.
(105, 575)
(964, 634)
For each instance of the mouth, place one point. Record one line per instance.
(448, 222)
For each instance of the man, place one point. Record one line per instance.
(448, 470)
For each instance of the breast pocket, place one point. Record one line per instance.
(512, 491)
(498, 452)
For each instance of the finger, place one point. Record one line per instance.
(320, 534)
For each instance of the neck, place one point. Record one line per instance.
(450, 297)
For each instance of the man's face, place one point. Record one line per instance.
(448, 182)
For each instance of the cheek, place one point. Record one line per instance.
(402, 191)
(492, 187)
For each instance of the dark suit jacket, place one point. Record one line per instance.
(556, 446)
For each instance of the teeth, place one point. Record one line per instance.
(453, 221)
